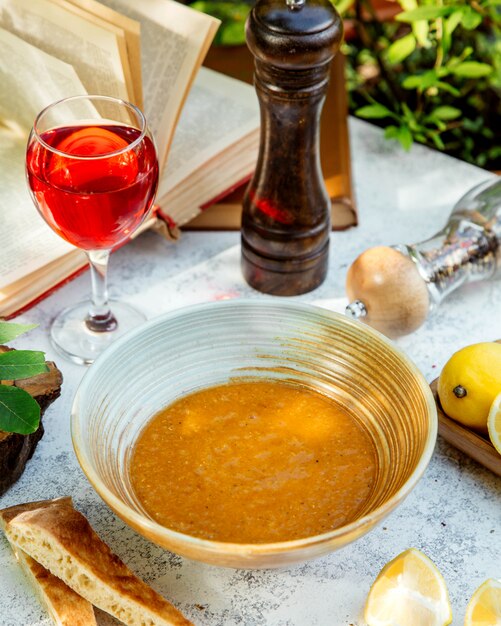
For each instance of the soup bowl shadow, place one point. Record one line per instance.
(210, 344)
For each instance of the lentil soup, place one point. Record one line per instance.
(253, 462)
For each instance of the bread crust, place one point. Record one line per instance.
(65, 607)
(85, 563)
(6, 515)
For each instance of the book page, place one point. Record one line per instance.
(132, 33)
(114, 29)
(218, 112)
(93, 51)
(174, 41)
(22, 79)
(26, 242)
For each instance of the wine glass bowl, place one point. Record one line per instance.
(92, 171)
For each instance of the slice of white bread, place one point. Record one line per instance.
(62, 541)
(65, 607)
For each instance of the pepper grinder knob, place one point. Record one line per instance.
(386, 290)
(286, 209)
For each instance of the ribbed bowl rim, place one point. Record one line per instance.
(252, 549)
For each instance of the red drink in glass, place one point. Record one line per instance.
(89, 186)
(92, 171)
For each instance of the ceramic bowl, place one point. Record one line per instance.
(205, 345)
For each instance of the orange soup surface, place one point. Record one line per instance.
(253, 462)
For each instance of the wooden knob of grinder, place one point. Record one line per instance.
(389, 291)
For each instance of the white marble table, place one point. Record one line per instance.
(454, 514)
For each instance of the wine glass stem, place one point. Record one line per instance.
(100, 318)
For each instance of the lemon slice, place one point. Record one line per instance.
(409, 591)
(484, 608)
(494, 423)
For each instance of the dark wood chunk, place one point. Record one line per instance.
(16, 450)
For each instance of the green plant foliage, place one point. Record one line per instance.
(9, 330)
(472, 69)
(19, 412)
(19, 364)
(446, 113)
(401, 133)
(424, 13)
(432, 74)
(232, 16)
(343, 5)
(374, 111)
(401, 48)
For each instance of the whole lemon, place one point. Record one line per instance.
(469, 382)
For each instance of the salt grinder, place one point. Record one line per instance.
(286, 209)
(394, 288)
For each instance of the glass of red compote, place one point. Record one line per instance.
(92, 170)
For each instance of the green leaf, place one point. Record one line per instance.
(449, 88)
(473, 126)
(420, 28)
(437, 140)
(408, 114)
(454, 60)
(421, 81)
(391, 132)
(442, 71)
(438, 123)
(232, 16)
(452, 22)
(343, 5)
(449, 26)
(409, 117)
(401, 134)
(494, 152)
(472, 69)
(413, 82)
(405, 137)
(423, 13)
(222, 10)
(19, 412)
(421, 31)
(9, 331)
(446, 112)
(232, 34)
(18, 364)
(374, 111)
(401, 48)
(482, 159)
(470, 19)
(408, 5)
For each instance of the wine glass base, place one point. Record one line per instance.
(72, 339)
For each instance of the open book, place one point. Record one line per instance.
(147, 52)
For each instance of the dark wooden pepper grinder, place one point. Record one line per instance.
(286, 209)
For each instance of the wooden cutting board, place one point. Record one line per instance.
(471, 443)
